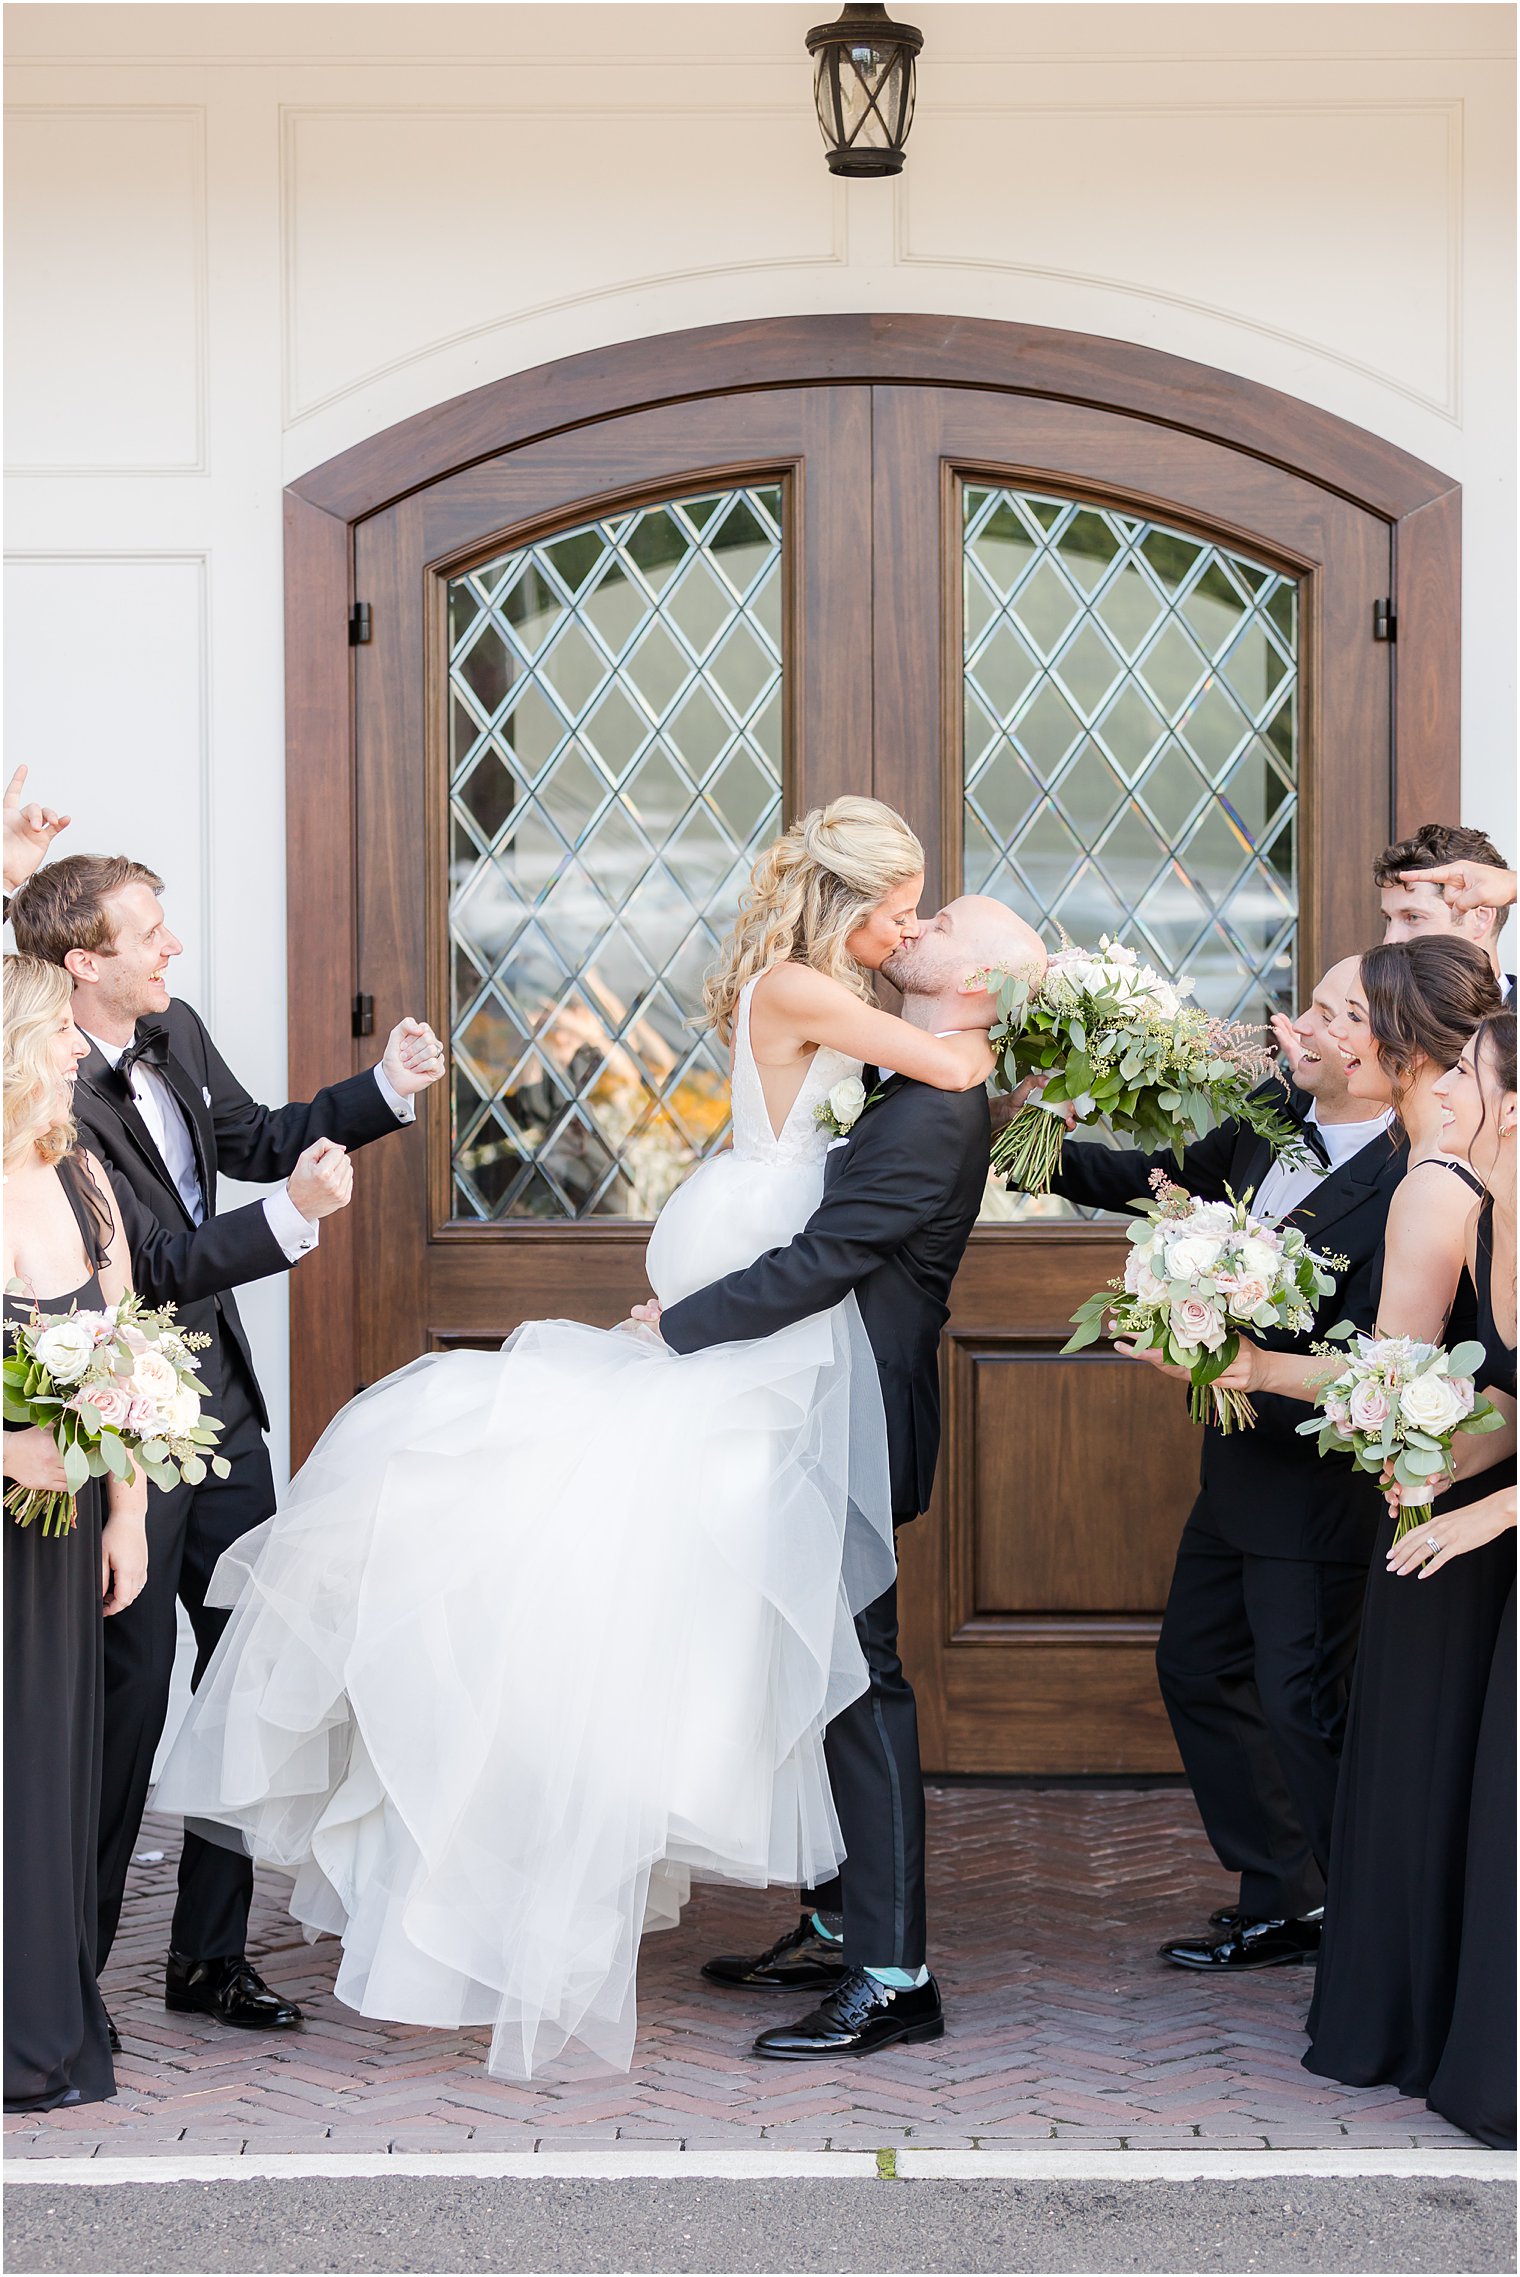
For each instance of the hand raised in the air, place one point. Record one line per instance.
(29, 832)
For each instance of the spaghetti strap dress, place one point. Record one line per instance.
(1386, 1987)
(1474, 2082)
(57, 2049)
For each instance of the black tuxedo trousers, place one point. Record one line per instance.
(898, 1205)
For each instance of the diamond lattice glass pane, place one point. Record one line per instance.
(1131, 745)
(614, 768)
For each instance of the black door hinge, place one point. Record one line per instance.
(1385, 625)
(364, 1015)
(359, 625)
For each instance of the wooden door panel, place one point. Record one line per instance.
(1032, 1590)
(1073, 1534)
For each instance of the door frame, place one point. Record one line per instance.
(1421, 505)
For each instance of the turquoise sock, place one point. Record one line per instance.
(900, 1980)
(834, 1936)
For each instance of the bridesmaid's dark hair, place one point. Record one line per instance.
(1494, 1053)
(1424, 999)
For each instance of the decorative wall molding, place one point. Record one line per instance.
(148, 557)
(296, 407)
(193, 117)
(1447, 405)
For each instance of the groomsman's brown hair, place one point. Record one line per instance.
(62, 905)
(1433, 845)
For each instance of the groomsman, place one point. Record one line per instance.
(1415, 903)
(1261, 1622)
(159, 1105)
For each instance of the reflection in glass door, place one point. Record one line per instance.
(615, 765)
(1131, 745)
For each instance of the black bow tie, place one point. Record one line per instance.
(153, 1048)
(1313, 1139)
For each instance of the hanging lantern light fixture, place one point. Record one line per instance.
(863, 72)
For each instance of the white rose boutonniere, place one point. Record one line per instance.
(844, 1106)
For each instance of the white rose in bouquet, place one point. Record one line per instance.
(65, 1350)
(1258, 1257)
(182, 1412)
(1433, 1403)
(1193, 1257)
(154, 1377)
(1140, 1280)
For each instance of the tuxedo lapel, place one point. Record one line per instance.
(111, 1096)
(1341, 1191)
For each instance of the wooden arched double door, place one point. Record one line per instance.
(1123, 673)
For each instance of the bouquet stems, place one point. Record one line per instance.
(56, 1508)
(1029, 1149)
(1227, 1410)
(1411, 1514)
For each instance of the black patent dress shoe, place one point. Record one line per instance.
(801, 1961)
(857, 2017)
(231, 1990)
(1250, 1945)
(1226, 1917)
(112, 2035)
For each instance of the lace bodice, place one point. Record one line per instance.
(801, 1138)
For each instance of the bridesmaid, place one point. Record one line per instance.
(1387, 1985)
(1474, 2083)
(63, 1243)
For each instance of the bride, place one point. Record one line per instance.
(538, 1635)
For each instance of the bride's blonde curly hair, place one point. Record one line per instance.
(807, 894)
(36, 1105)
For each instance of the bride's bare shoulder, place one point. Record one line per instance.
(791, 988)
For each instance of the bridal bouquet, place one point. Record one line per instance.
(110, 1386)
(1400, 1404)
(1119, 1042)
(1197, 1274)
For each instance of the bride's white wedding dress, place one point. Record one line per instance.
(538, 1635)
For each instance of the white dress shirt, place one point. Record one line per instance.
(1287, 1184)
(153, 1097)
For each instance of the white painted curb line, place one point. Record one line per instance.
(1467, 2162)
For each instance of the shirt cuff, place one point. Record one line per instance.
(295, 1234)
(404, 1110)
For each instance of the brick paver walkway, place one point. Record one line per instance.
(1047, 1906)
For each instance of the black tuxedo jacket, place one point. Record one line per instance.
(175, 1261)
(1271, 1493)
(899, 1201)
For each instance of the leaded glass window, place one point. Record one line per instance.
(615, 753)
(1131, 742)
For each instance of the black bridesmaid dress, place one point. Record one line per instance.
(57, 2049)
(1385, 1995)
(1474, 2083)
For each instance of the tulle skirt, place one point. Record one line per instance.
(539, 1635)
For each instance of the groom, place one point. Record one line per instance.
(901, 1195)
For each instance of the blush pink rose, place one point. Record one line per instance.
(1371, 1406)
(1195, 1321)
(109, 1402)
(1248, 1292)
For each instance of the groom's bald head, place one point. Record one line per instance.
(969, 935)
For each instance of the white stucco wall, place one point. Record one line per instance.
(242, 238)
